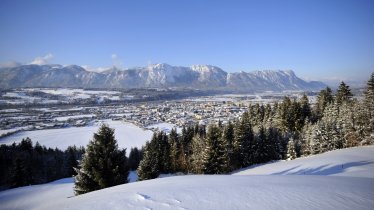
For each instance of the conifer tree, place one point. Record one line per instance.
(19, 174)
(72, 162)
(343, 94)
(323, 99)
(228, 137)
(368, 111)
(134, 158)
(243, 142)
(305, 108)
(261, 148)
(215, 157)
(148, 167)
(103, 165)
(369, 94)
(197, 157)
(174, 151)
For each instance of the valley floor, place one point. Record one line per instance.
(342, 179)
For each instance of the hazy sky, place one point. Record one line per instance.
(318, 39)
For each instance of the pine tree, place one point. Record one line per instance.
(228, 137)
(305, 108)
(323, 99)
(343, 94)
(198, 146)
(369, 94)
(71, 161)
(260, 153)
(103, 164)
(19, 174)
(174, 151)
(243, 142)
(215, 157)
(368, 131)
(148, 167)
(134, 158)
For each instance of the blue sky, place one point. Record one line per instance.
(318, 39)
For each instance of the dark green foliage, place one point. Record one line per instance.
(148, 166)
(243, 142)
(215, 156)
(174, 151)
(156, 158)
(24, 164)
(103, 164)
(343, 94)
(228, 137)
(323, 99)
(369, 93)
(20, 174)
(135, 157)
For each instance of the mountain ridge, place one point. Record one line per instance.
(162, 75)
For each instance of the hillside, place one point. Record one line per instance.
(342, 179)
(205, 77)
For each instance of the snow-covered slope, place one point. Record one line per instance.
(353, 162)
(127, 135)
(157, 75)
(351, 188)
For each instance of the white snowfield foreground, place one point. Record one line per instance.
(342, 179)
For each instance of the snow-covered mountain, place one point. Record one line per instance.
(157, 75)
(341, 179)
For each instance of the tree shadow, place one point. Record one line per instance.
(323, 169)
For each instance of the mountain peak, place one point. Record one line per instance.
(155, 75)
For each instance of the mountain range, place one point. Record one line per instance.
(162, 75)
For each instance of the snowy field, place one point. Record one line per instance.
(127, 134)
(165, 127)
(279, 185)
(357, 162)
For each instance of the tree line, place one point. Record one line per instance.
(285, 130)
(25, 164)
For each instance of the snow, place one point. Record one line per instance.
(74, 117)
(127, 134)
(354, 162)
(165, 127)
(350, 188)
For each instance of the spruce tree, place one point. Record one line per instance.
(198, 146)
(369, 94)
(228, 137)
(134, 158)
(19, 174)
(148, 167)
(215, 157)
(368, 110)
(343, 94)
(243, 142)
(305, 108)
(72, 162)
(151, 166)
(323, 99)
(174, 151)
(103, 165)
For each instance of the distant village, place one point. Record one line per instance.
(203, 110)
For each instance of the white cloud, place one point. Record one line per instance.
(42, 60)
(116, 61)
(95, 69)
